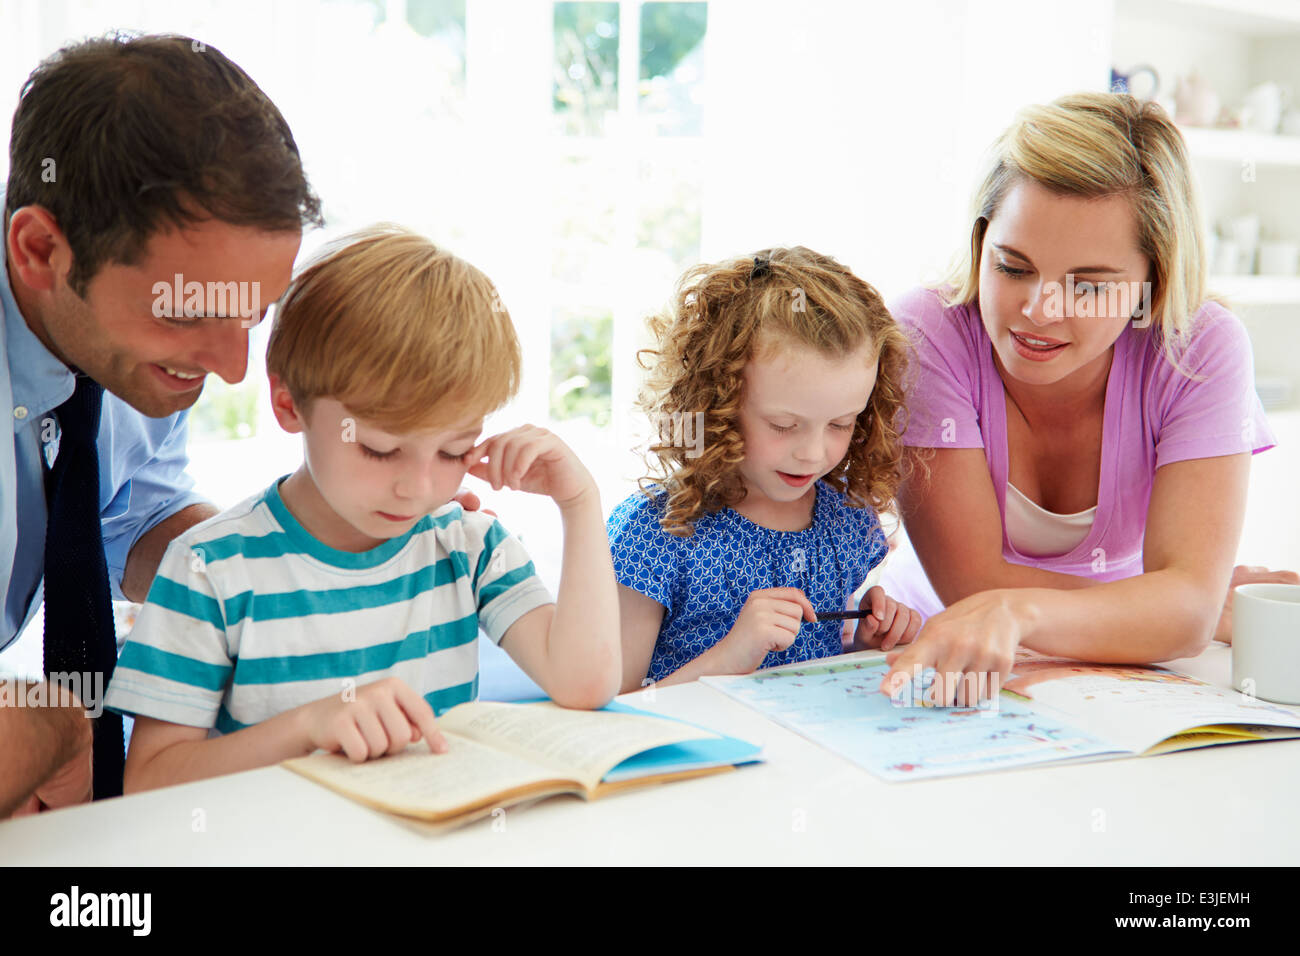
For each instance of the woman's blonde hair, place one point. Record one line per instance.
(401, 332)
(1105, 144)
(719, 316)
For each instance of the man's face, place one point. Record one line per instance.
(157, 363)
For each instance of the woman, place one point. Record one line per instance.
(1082, 418)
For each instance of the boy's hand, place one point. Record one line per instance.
(890, 622)
(531, 459)
(769, 621)
(385, 717)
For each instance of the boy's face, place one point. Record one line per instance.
(376, 484)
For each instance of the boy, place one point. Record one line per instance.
(340, 608)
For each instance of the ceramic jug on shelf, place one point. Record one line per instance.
(1195, 101)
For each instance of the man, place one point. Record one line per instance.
(137, 165)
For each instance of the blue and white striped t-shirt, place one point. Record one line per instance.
(250, 616)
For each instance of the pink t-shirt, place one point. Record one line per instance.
(1154, 415)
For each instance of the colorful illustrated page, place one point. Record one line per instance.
(840, 707)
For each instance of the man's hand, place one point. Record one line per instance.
(69, 785)
(470, 501)
(48, 763)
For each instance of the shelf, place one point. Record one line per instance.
(1255, 18)
(1238, 146)
(1256, 290)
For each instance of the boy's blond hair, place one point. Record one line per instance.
(404, 334)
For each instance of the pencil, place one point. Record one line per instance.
(843, 615)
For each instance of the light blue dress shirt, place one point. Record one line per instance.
(142, 462)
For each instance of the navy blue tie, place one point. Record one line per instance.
(79, 633)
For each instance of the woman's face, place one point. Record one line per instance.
(1060, 276)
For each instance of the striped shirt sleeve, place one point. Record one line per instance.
(506, 585)
(176, 664)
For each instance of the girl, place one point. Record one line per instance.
(776, 394)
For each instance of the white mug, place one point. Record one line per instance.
(1279, 257)
(1227, 257)
(1262, 108)
(1266, 642)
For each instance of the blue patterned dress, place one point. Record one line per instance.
(704, 580)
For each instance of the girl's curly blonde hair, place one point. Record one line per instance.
(717, 319)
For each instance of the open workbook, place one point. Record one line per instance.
(500, 754)
(1049, 710)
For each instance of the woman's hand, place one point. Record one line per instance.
(1244, 574)
(971, 646)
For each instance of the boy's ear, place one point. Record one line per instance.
(286, 410)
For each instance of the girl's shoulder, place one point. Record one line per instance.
(637, 521)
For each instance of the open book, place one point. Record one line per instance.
(1049, 710)
(501, 754)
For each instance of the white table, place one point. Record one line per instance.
(1215, 806)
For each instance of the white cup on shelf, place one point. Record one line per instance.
(1227, 257)
(1262, 108)
(1279, 257)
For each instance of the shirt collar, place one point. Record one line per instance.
(39, 381)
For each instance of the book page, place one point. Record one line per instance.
(1137, 707)
(583, 744)
(838, 705)
(419, 783)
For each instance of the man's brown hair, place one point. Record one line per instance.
(120, 137)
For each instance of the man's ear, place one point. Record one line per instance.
(287, 411)
(37, 249)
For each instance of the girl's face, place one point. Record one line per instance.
(797, 418)
(1060, 276)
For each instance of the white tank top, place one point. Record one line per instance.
(1038, 533)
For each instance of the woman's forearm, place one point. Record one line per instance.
(1157, 616)
(952, 584)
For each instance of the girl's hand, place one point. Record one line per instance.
(382, 719)
(532, 459)
(890, 622)
(1243, 574)
(769, 621)
(971, 646)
